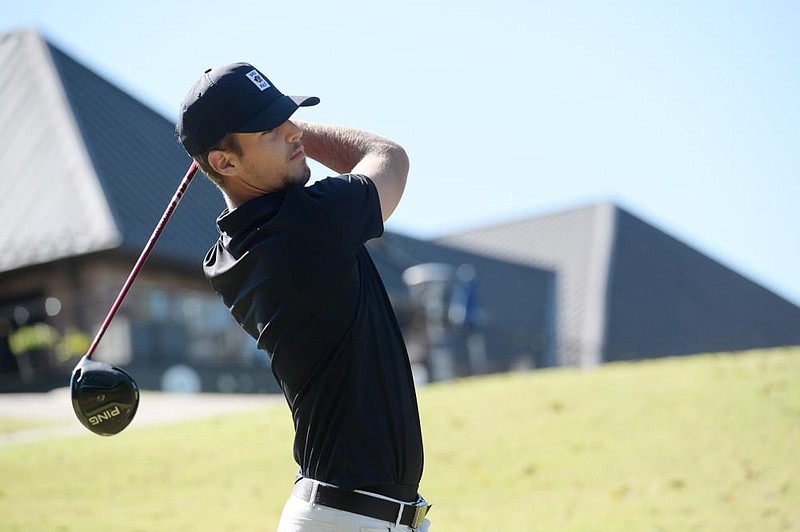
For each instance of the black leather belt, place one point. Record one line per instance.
(411, 515)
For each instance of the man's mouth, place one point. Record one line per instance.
(298, 154)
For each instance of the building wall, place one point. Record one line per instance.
(574, 244)
(514, 303)
(170, 316)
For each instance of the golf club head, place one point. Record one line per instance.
(104, 397)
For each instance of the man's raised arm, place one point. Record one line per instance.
(348, 150)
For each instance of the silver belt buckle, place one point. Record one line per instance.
(420, 511)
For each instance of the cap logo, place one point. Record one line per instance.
(258, 80)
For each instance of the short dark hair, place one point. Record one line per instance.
(228, 143)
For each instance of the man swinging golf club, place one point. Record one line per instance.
(291, 266)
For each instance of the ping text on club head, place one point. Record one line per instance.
(105, 415)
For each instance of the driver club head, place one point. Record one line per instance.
(104, 397)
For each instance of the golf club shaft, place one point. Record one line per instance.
(143, 257)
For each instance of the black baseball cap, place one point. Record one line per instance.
(234, 98)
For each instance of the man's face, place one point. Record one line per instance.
(269, 161)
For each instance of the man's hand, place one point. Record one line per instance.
(347, 150)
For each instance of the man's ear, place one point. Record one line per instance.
(221, 162)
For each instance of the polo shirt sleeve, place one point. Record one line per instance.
(347, 210)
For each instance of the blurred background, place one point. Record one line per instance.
(590, 182)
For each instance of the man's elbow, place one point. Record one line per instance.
(400, 163)
(391, 182)
(399, 159)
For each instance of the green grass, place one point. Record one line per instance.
(11, 424)
(707, 443)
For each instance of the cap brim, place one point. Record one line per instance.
(305, 101)
(276, 113)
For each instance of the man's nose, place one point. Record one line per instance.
(293, 133)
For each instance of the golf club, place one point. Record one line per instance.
(105, 397)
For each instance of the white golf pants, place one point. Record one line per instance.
(300, 516)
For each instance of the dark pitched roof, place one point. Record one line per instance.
(87, 167)
(667, 298)
(626, 289)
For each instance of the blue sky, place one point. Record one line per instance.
(685, 113)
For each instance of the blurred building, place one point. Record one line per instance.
(626, 290)
(465, 313)
(89, 170)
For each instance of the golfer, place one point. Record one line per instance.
(291, 266)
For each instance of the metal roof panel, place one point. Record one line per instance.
(52, 206)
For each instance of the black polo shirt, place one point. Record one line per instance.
(293, 270)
